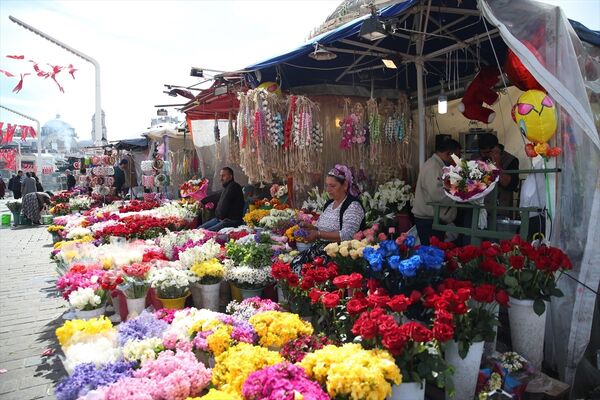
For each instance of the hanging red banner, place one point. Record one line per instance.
(9, 156)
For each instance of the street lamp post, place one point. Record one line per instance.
(38, 140)
(98, 135)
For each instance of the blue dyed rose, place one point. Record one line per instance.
(432, 257)
(409, 267)
(410, 241)
(390, 248)
(394, 262)
(374, 258)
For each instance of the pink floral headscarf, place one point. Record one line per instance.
(343, 172)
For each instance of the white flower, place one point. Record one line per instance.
(167, 278)
(185, 319)
(77, 233)
(98, 349)
(85, 298)
(207, 251)
(248, 276)
(142, 350)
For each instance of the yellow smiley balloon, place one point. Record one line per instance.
(271, 87)
(535, 115)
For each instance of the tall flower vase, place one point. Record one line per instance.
(247, 293)
(236, 294)
(527, 330)
(196, 295)
(135, 306)
(408, 391)
(466, 370)
(210, 296)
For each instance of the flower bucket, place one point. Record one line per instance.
(174, 304)
(408, 391)
(5, 220)
(247, 293)
(196, 295)
(281, 299)
(80, 314)
(47, 219)
(16, 218)
(135, 306)
(527, 331)
(466, 370)
(235, 292)
(302, 246)
(210, 296)
(56, 237)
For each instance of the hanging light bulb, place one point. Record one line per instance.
(442, 101)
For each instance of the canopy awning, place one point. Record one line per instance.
(132, 144)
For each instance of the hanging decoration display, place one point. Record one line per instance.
(276, 137)
(481, 91)
(39, 72)
(535, 115)
(9, 156)
(11, 129)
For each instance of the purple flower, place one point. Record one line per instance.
(86, 377)
(143, 327)
(280, 382)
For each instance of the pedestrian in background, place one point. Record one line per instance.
(2, 188)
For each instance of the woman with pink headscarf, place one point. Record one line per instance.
(343, 214)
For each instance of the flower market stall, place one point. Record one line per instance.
(160, 309)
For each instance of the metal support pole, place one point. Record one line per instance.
(421, 111)
(98, 136)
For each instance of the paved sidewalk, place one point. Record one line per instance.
(30, 311)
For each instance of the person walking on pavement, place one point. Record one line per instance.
(2, 188)
(70, 179)
(28, 185)
(15, 186)
(38, 184)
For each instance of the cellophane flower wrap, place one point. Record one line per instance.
(87, 377)
(208, 272)
(171, 283)
(175, 376)
(352, 372)
(283, 381)
(135, 280)
(234, 365)
(276, 328)
(469, 180)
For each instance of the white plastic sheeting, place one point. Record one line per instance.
(561, 69)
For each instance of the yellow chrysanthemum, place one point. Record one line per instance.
(253, 217)
(353, 372)
(276, 328)
(204, 324)
(234, 365)
(210, 268)
(78, 329)
(220, 340)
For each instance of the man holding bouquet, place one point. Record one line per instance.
(430, 189)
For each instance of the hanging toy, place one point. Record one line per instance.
(481, 91)
(518, 74)
(535, 115)
(271, 87)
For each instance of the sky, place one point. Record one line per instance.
(142, 45)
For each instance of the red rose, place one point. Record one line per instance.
(417, 332)
(293, 280)
(332, 271)
(399, 303)
(330, 300)
(394, 341)
(498, 270)
(460, 308)
(517, 262)
(386, 323)
(356, 306)
(355, 280)
(378, 300)
(280, 270)
(443, 317)
(502, 298)
(315, 295)
(484, 293)
(367, 329)
(307, 283)
(442, 332)
(415, 296)
(342, 281)
(319, 260)
(372, 284)
(321, 275)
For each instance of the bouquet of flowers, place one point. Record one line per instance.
(194, 188)
(209, 272)
(390, 198)
(61, 197)
(142, 350)
(56, 229)
(78, 277)
(348, 255)
(295, 350)
(469, 180)
(249, 307)
(58, 209)
(283, 381)
(216, 335)
(80, 203)
(135, 280)
(77, 330)
(350, 371)
(247, 277)
(278, 191)
(171, 283)
(277, 219)
(253, 217)
(252, 254)
(276, 328)
(235, 365)
(508, 372)
(87, 299)
(199, 251)
(88, 377)
(316, 200)
(138, 205)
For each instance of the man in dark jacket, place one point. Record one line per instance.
(15, 185)
(70, 179)
(230, 204)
